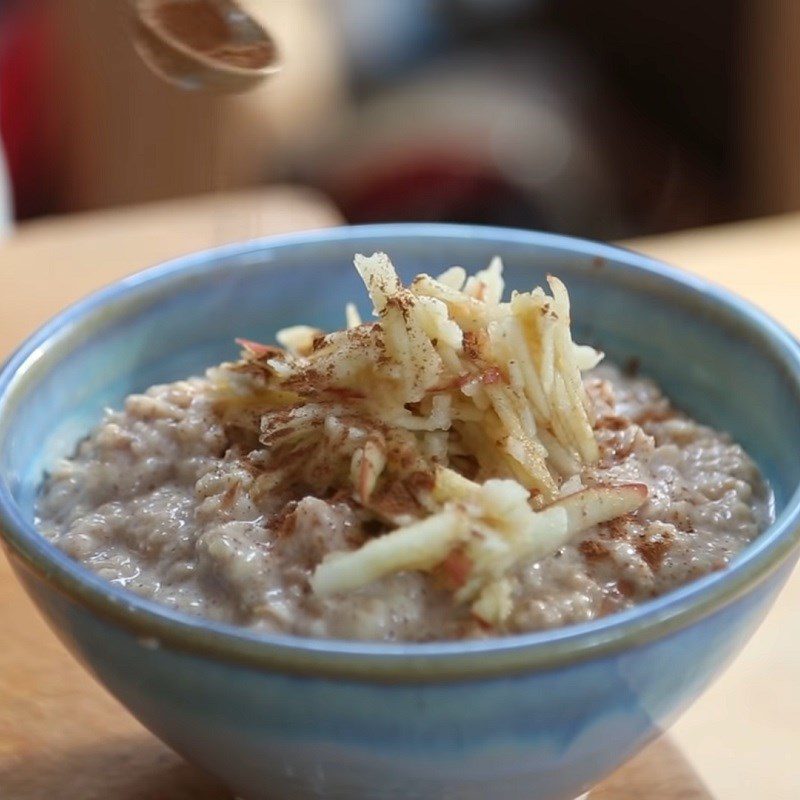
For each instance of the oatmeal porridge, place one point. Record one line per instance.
(457, 468)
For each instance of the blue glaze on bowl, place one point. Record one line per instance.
(541, 716)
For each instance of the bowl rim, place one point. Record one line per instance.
(156, 625)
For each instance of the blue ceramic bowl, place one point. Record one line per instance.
(540, 716)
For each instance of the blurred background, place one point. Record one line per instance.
(603, 119)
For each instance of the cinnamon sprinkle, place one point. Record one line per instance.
(612, 422)
(471, 343)
(626, 588)
(395, 500)
(616, 528)
(653, 550)
(592, 550)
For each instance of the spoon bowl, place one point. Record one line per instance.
(211, 45)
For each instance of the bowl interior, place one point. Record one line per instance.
(717, 358)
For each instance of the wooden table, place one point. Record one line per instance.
(56, 722)
(744, 732)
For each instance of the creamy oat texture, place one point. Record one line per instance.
(157, 499)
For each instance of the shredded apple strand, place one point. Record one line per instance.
(449, 377)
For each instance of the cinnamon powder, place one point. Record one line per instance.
(653, 551)
(592, 550)
(203, 27)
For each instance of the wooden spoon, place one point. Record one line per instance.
(212, 45)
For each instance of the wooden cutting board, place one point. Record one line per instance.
(61, 735)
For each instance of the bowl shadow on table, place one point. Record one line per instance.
(122, 768)
(140, 768)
